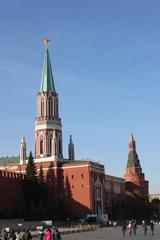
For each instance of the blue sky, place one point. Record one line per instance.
(106, 65)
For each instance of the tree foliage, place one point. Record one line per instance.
(127, 206)
(41, 179)
(31, 169)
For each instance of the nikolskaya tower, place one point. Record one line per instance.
(48, 126)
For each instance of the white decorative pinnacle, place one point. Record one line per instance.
(23, 139)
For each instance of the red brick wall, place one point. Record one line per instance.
(80, 177)
(12, 190)
(79, 180)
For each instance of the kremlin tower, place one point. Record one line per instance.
(134, 178)
(48, 127)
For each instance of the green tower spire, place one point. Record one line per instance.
(47, 81)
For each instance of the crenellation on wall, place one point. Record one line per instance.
(12, 175)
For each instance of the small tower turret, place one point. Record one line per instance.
(71, 153)
(23, 151)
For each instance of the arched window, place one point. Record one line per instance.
(41, 146)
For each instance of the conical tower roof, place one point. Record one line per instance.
(47, 81)
(133, 160)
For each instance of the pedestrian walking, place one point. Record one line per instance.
(3, 234)
(144, 226)
(57, 235)
(130, 229)
(48, 234)
(124, 228)
(152, 227)
(114, 224)
(41, 234)
(54, 232)
(27, 235)
(12, 235)
(19, 236)
(134, 226)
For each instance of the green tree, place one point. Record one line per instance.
(155, 209)
(31, 169)
(41, 176)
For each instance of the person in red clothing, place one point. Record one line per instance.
(48, 234)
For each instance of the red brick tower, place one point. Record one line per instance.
(48, 128)
(134, 178)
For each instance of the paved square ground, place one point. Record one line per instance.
(113, 234)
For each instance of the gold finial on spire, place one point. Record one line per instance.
(46, 41)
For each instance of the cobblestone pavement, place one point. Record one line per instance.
(112, 234)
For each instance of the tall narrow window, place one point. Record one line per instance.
(46, 105)
(41, 146)
(60, 147)
(50, 107)
(42, 108)
(55, 109)
(35, 149)
(50, 145)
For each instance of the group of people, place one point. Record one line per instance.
(19, 235)
(144, 226)
(49, 234)
(43, 234)
(132, 227)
